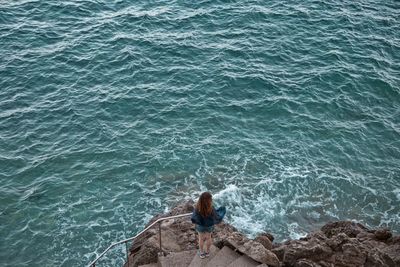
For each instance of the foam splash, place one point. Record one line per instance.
(397, 193)
(231, 193)
(295, 232)
(247, 213)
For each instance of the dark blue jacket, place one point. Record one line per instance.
(214, 218)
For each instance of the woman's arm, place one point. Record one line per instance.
(220, 214)
(195, 217)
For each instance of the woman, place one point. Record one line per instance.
(205, 217)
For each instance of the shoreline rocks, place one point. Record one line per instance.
(342, 243)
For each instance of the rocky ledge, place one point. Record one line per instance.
(342, 243)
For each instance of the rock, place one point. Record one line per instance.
(269, 236)
(352, 255)
(147, 254)
(177, 235)
(393, 252)
(336, 241)
(394, 240)
(365, 236)
(279, 252)
(259, 253)
(351, 229)
(383, 234)
(377, 258)
(312, 250)
(265, 241)
(326, 264)
(306, 263)
(253, 249)
(343, 243)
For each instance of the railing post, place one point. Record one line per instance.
(159, 232)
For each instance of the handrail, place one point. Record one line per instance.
(93, 263)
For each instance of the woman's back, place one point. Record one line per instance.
(215, 217)
(205, 216)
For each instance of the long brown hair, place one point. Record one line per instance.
(204, 204)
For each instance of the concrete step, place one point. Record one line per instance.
(177, 259)
(149, 265)
(244, 261)
(198, 262)
(223, 258)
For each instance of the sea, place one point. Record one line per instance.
(113, 111)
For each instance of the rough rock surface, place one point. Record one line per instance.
(265, 241)
(176, 235)
(342, 243)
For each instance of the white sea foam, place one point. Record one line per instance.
(295, 232)
(249, 213)
(229, 193)
(397, 193)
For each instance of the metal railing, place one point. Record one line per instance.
(125, 241)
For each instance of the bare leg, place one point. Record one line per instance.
(208, 242)
(201, 242)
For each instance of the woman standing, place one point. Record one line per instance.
(205, 216)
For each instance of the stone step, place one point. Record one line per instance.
(244, 261)
(198, 262)
(177, 259)
(149, 265)
(223, 258)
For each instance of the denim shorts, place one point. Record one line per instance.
(204, 229)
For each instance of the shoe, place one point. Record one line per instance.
(202, 255)
(206, 254)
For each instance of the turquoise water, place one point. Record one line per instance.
(111, 111)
